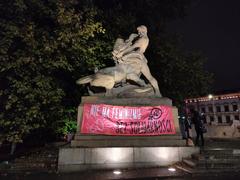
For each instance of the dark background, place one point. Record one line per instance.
(213, 28)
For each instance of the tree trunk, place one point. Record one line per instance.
(13, 147)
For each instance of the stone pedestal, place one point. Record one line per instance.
(80, 159)
(103, 151)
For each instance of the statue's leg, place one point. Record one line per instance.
(108, 92)
(146, 72)
(135, 78)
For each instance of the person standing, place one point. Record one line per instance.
(198, 124)
(188, 127)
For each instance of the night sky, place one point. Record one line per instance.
(213, 28)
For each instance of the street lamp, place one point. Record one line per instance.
(210, 97)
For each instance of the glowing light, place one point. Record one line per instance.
(117, 172)
(163, 153)
(115, 154)
(171, 169)
(210, 96)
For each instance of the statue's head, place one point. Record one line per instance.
(118, 44)
(142, 30)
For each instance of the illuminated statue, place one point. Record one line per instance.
(130, 64)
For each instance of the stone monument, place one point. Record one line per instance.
(130, 124)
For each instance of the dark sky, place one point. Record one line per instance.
(213, 28)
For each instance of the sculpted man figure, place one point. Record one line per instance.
(130, 64)
(132, 52)
(136, 49)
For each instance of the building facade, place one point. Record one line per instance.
(217, 109)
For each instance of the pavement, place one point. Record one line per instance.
(132, 174)
(137, 173)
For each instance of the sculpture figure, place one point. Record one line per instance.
(131, 49)
(130, 64)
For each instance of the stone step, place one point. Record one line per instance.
(221, 151)
(105, 137)
(201, 162)
(197, 157)
(220, 156)
(216, 158)
(219, 161)
(213, 172)
(226, 145)
(127, 143)
(190, 162)
(81, 140)
(192, 167)
(218, 166)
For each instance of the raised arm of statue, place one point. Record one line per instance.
(129, 41)
(140, 45)
(121, 45)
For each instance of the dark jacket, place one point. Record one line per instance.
(197, 120)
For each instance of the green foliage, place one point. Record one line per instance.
(43, 45)
(180, 73)
(47, 45)
(68, 123)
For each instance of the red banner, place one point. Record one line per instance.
(126, 120)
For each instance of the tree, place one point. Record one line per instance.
(43, 45)
(47, 45)
(180, 73)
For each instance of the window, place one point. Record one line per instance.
(226, 108)
(211, 119)
(235, 107)
(210, 109)
(236, 117)
(203, 109)
(218, 108)
(227, 119)
(219, 119)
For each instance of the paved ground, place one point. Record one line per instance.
(147, 173)
(143, 173)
